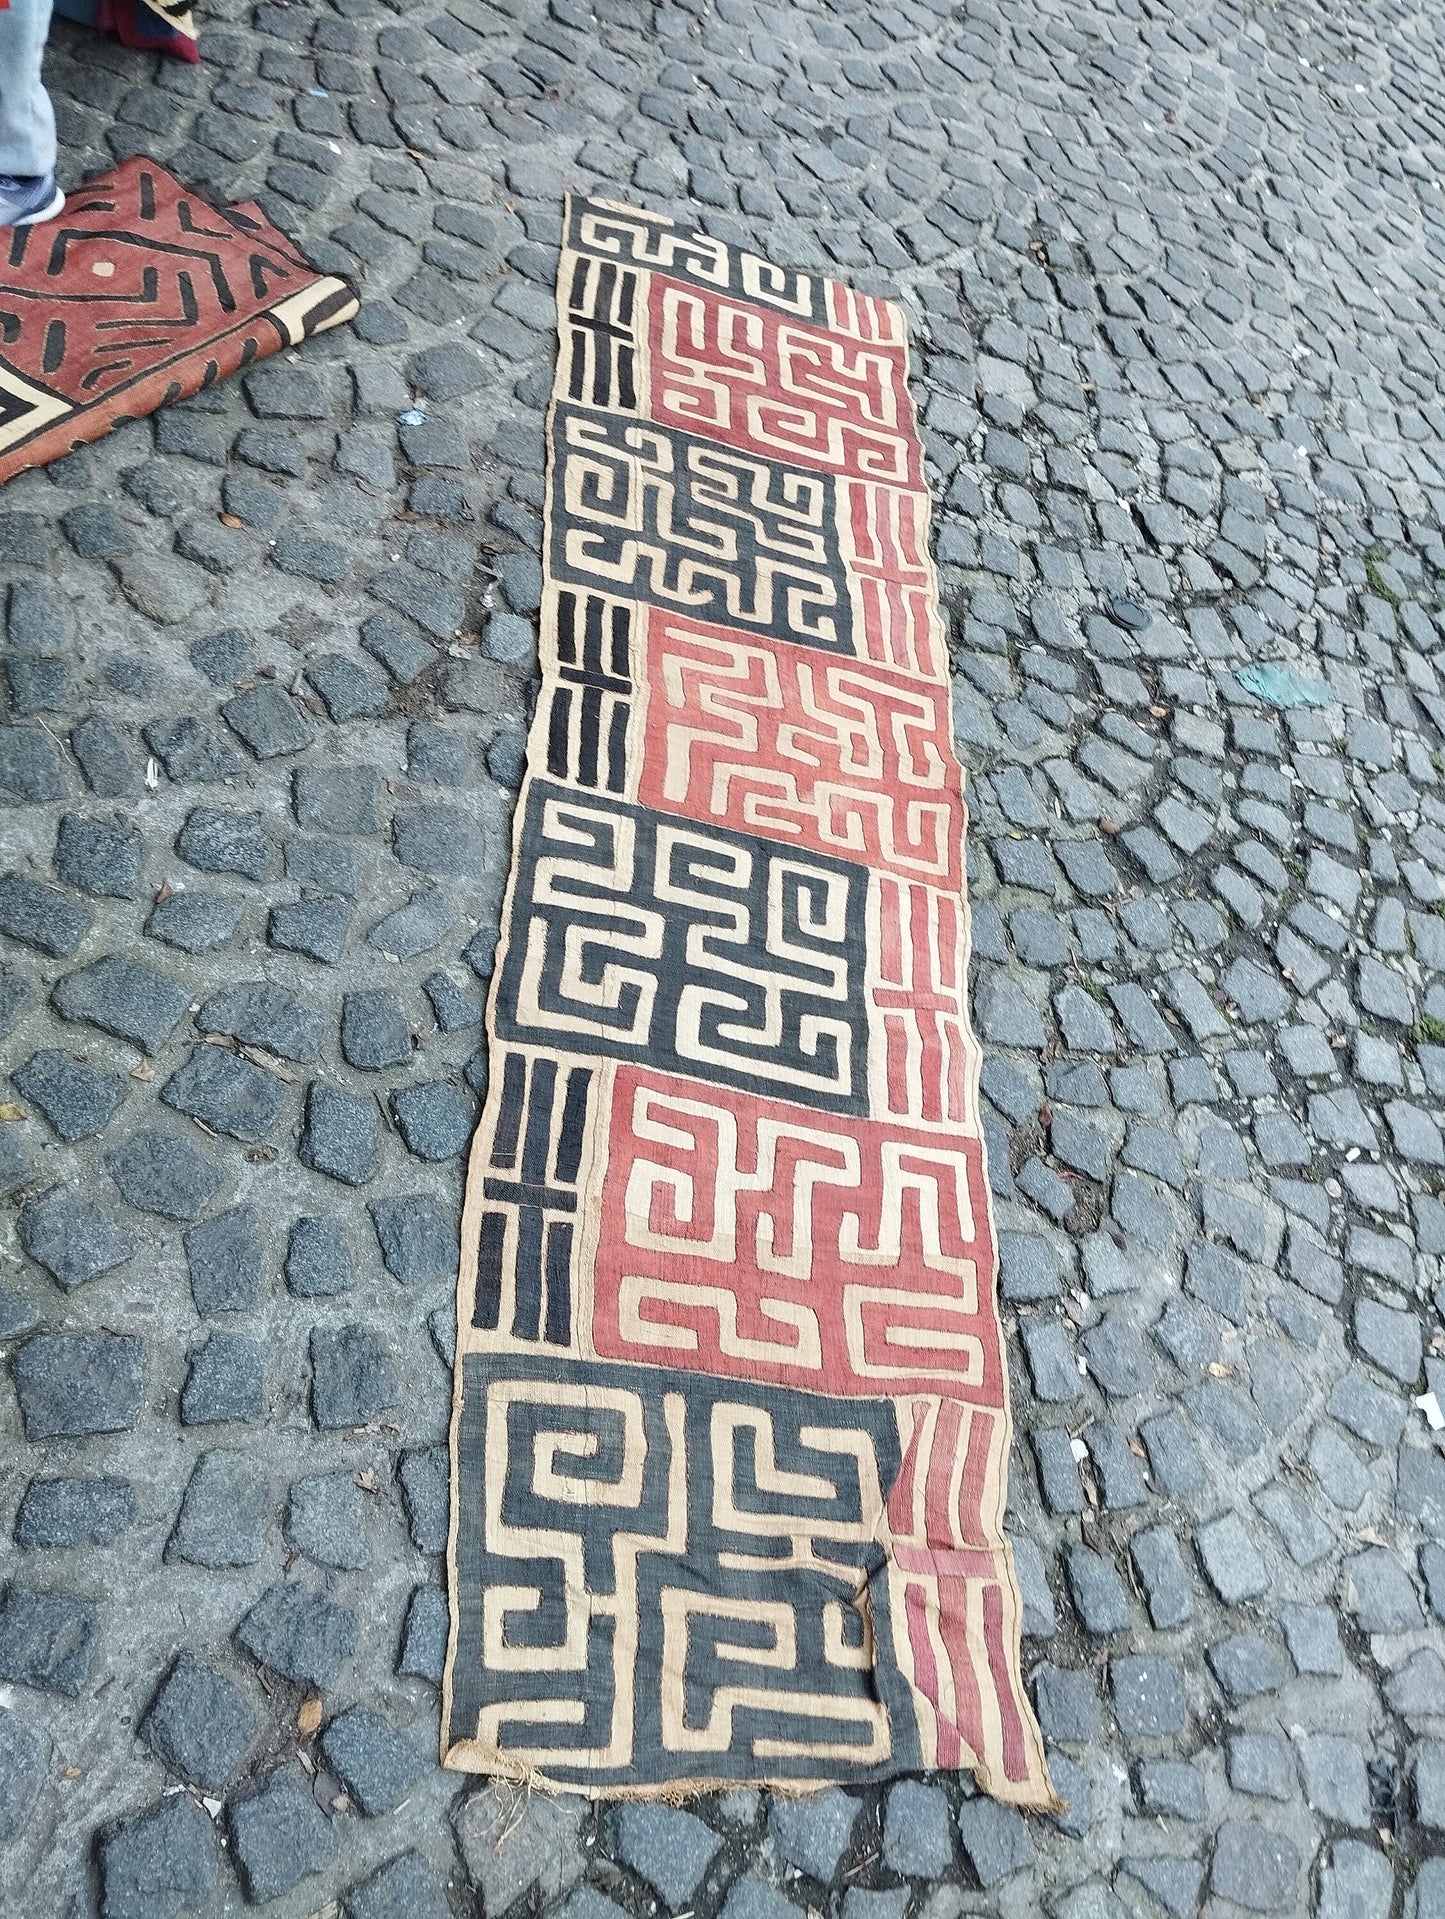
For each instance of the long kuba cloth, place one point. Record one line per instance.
(141, 293)
(731, 1415)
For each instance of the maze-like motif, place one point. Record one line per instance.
(837, 756)
(642, 937)
(757, 1240)
(770, 386)
(603, 230)
(732, 1406)
(674, 1580)
(684, 523)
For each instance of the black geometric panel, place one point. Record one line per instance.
(526, 1233)
(693, 526)
(621, 1535)
(638, 936)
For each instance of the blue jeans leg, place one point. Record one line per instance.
(27, 119)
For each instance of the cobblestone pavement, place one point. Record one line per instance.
(1174, 268)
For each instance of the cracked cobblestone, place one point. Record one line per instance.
(1173, 280)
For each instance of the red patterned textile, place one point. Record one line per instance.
(731, 1412)
(138, 295)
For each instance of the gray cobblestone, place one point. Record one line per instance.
(1174, 430)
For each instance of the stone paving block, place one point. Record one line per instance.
(226, 1381)
(224, 1257)
(1055, 1375)
(541, 1850)
(163, 1861)
(1245, 1666)
(74, 1512)
(1160, 1566)
(195, 922)
(434, 1117)
(279, 1835)
(1175, 1883)
(267, 1017)
(376, 1030)
(1332, 1774)
(1390, 1338)
(77, 1099)
(226, 1093)
(1420, 1483)
(267, 721)
(348, 690)
(424, 1641)
(73, 1384)
(73, 1240)
(1379, 1592)
(1305, 1535)
(16, 1167)
(325, 1519)
(1341, 1474)
(996, 1840)
(337, 799)
(751, 1897)
(316, 928)
(47, 1639)
(418, 1242)
(353, 1376)
(341, 1135)
(1367, 1410)
(219, 842)
(136, 1003)
(318, 1260)
(1427, 1773)
(299, 1634)
(1099, 1594)
(1256, 1868)
(917, 1842)
(404, 1888)
(200, 1725)
(1357, 1883)
(860, 1904)
(1232, 1562)
(24, 1759)
(376, 1766)
(1148, 1696)
(668, 1847)
(223, 1512)
(1259, 1763)
(99, 857)
(1171, 1789)
(426, 1489)
(815, 1831)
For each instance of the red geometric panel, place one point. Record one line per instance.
(765, 383)
(864, 317)
(921, 1045)
(840, 756)
(759, 1240)
(884, 537)
(954, 1607)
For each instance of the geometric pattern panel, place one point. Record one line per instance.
(759, 1241)
(640, 936)
(731, 1422)
(677, 520)
(836, 755)
(685, 1579)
